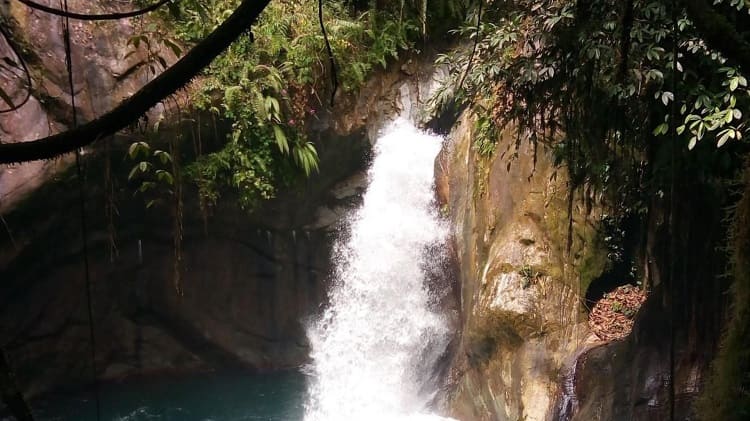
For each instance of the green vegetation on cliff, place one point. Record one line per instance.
(594, 80)
(272, 83)
(645, 104)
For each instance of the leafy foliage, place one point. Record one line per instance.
(607, 85)
(152, 172)
(152, 40)
(270, 85)
(594, 80)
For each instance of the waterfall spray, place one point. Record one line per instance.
(374, 348)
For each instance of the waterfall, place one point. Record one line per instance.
(374, 348)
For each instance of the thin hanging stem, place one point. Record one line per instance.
(10, 233)
(672, 242)
(82, 208)
(332, 61)
(474, 47)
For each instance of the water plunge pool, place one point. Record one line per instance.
(217, 396)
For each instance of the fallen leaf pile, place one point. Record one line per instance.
(612, 316)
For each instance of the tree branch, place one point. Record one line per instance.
(718, 32)
(103, 16)
(334, 77)
(148, 96)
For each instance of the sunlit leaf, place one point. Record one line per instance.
(281, 140)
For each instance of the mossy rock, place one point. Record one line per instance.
(593, 258)
(499, 329)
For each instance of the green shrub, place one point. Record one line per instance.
(270, 84)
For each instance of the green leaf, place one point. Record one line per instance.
(162, 62)
(133, 172)
(724, 136)
(700, 101)
(165, 176)
(661, 129)
(281, 140)
(230, 92)
(146, 185)
(259, 106)
(172, 45)
(163, 156)
(654, 74)
(728, 116)
(137, 148)
(693, 141)
(666, 97)
(158, 123)
(275, 105)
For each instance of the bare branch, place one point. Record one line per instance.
(103, 16)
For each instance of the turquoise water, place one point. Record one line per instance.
(212, 396)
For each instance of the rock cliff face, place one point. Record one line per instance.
(519, 289)
(680, 325)
(102, 76)
(43, 313)
(249, 281)
(525, 350)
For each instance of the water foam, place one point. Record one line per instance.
(375, 347)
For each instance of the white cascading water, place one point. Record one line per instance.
(375, 347)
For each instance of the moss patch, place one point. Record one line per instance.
(593, 258)
(499, 329)
(588, 254)
(530, 274)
